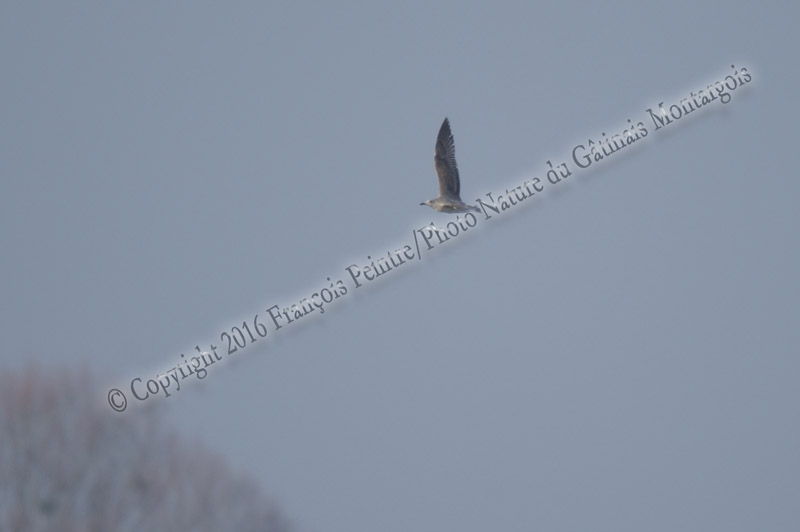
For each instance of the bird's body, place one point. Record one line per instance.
(449, 199)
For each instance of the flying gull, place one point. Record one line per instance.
(449, 199)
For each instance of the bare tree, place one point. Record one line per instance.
(67, 465)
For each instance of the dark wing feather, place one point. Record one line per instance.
(445, 162)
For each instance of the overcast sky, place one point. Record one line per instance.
(618, 352)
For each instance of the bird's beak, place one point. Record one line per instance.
(423, 203)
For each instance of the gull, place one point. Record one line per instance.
(444, 159)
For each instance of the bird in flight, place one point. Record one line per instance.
(449, 199)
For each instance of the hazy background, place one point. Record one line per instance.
(618, 354)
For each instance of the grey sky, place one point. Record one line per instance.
(619, 353)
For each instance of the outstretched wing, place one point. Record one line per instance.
(445, 161)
